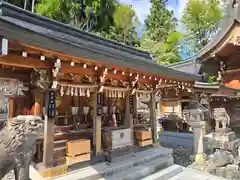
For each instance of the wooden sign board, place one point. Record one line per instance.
(131, 102)
(51, 103)
(99, 104)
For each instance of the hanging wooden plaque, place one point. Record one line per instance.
(51, 103)
(131, 102)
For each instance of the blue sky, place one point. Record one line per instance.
(142, 7)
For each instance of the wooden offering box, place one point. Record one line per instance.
(116, 139)
(144, 137)
(76, 147)
(78, 151)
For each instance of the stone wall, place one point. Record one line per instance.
(175, 139)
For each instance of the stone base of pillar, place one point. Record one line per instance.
(201, 158)
(155, 145)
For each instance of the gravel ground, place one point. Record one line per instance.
(182, 156)
(9, 176)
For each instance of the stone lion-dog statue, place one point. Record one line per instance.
(18, 145)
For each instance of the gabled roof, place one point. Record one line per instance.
(232, 16)
(22, 25)
(189, 66)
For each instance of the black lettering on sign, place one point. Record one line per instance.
(99, 104)
(131, 102)
(51, 104)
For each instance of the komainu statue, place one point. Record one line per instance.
(18, 145)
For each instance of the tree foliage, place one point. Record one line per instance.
(201, 19)
(91, 15)
(160, 37)
(125, 22)
(106, 17)
(164, 52)
(160, 21)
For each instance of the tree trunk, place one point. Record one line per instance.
(33, 4)
(25, 4)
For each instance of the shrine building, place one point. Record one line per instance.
(95, 83)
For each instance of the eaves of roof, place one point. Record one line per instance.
(19, 24)
(179, 64)
(204, 85)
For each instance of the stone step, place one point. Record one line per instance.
(194, 175)
(142, 170)
(166, 173)
(118, 164)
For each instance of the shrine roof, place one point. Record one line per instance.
(189, 66)
(22, 25)
(231, 17)
(205, 85)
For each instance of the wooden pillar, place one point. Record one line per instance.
(97, 125)
(128, 117)
(48, 145)
(11, 111)
(153, 117)
(127, 113)
(49, 124)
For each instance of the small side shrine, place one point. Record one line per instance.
(85, 88)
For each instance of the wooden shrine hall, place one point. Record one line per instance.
(95, 81)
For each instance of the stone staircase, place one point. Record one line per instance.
(132, 166)
(150, 164)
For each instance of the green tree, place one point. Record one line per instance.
(160, 21)
(164, 52)
(160, 37)
(201, 19)
(95, 15)
(124, 28)
(55, 9)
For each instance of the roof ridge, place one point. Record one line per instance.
(180, 62)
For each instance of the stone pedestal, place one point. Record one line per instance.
(223, 138)
(198, 147)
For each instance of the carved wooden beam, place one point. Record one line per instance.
(26, 62)
(7, 73)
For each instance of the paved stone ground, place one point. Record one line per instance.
(9, 176)
(192, 174)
